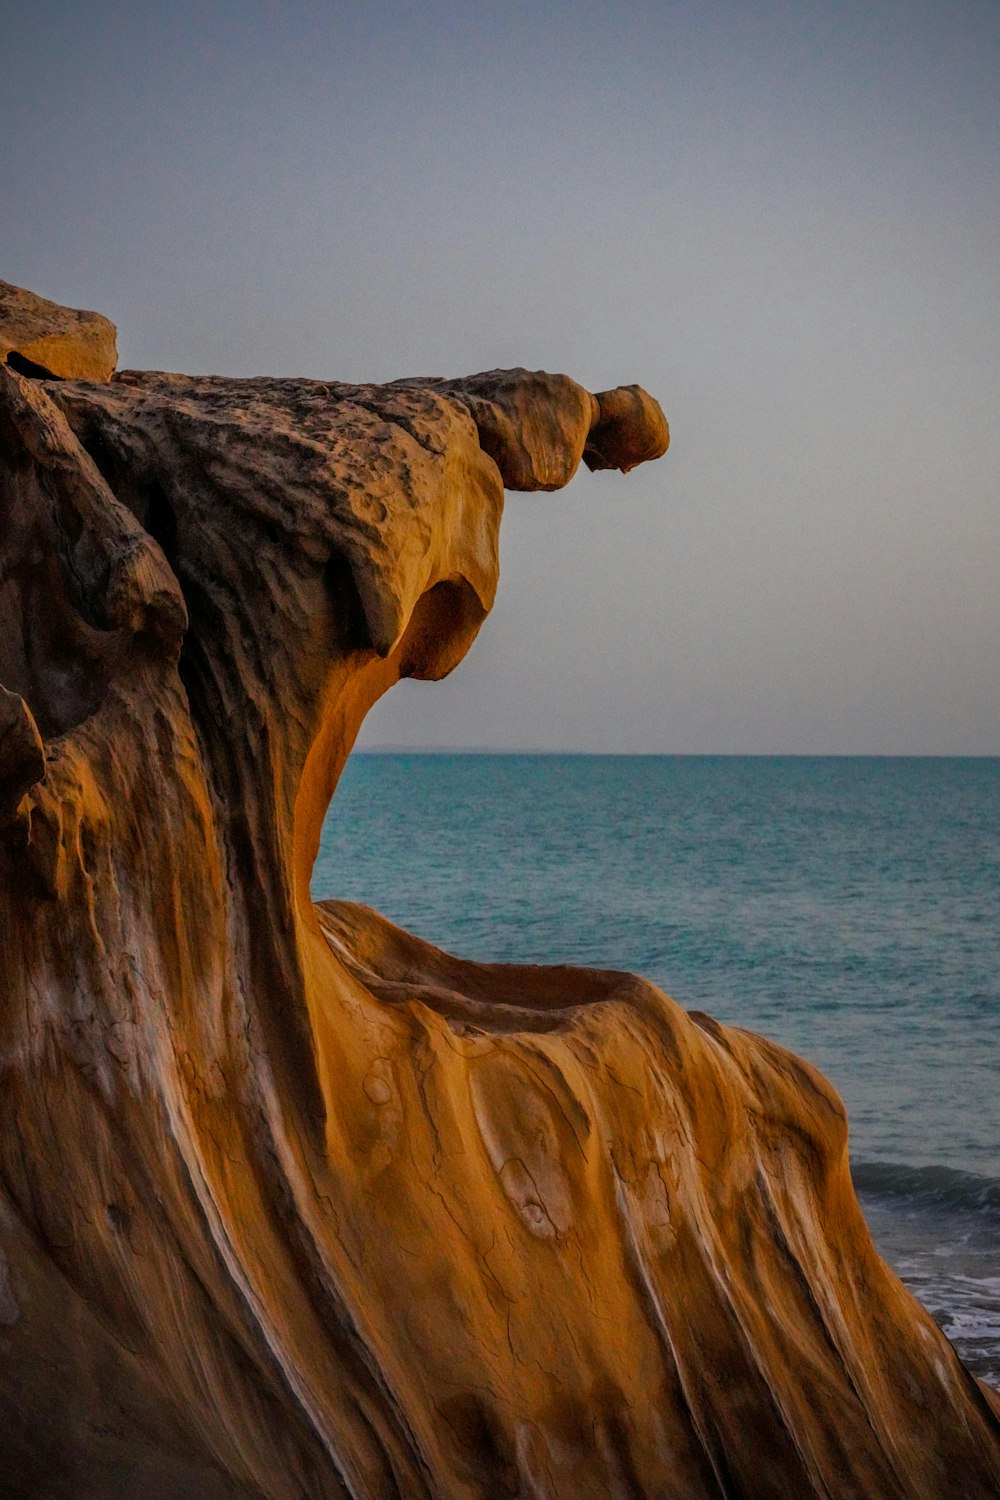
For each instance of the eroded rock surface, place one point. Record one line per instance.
(291, 1203)
(45, 338)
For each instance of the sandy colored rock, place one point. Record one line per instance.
(61, 341)
(293, 1204)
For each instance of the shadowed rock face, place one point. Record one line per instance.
(291, 1203)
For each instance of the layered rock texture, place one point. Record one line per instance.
(292, 1204)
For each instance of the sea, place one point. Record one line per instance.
(848, 908)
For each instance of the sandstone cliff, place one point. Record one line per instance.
(291, 1203)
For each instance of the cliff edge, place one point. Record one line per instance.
(293, 1204)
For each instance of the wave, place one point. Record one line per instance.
(927, 1187)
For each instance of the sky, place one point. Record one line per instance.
(782, 219)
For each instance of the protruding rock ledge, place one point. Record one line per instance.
(41, 338)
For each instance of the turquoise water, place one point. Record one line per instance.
(848, 908)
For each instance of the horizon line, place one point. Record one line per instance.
(403, 749)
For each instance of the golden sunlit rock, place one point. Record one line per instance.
(293, 1204)
(46, 339)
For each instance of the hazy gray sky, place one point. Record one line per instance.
(782, 219)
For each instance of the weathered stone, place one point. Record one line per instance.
(42, 338)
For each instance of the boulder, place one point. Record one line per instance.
(41, 338)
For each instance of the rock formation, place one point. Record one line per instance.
(292, 1204)
(46, 339)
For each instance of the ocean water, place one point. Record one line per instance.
(847, 908)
